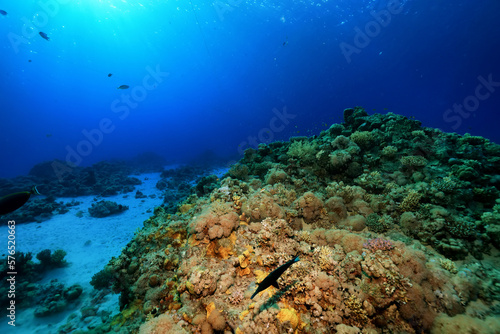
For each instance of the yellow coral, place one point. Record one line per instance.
(448, 265)
(357, 314)
(185, 208)
(190, 287)
(244, 314)
(210, 307)
(324, 256)
(288, 314)
(244, 272)
(243, 261)
(260, 275)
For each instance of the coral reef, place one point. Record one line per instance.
(391, 240)
(106, 208)
(58, 179)
(49, 260)
(52, 297)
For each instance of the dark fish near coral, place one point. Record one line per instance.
(272, 278)
(44, 35)
(12, 202)
(123, 87)
(3, 12)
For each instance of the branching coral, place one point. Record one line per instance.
(378, 224)
(414, 161)
(356, 313)
(411, 201)
(323, 255)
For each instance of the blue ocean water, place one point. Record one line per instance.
(221, 76)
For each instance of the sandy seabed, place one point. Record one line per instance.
(89, 242)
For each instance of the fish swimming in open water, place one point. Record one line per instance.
(272, 278)
(44, 35)
(3, 12)
(123, 87)
(12, 202)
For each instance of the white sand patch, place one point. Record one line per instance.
(89, 242)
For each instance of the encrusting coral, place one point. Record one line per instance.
(370, 224)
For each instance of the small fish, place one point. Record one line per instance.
(44, 35)
(12, 202)
(3, 12)
(109, 75)
(123, 87)
(29, 60)
(272, 278)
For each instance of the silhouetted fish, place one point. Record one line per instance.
(14, 201)
(44, 35)
(3, 12)
(272, 278)
(110, 74)
(123, 87)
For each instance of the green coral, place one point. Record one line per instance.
(410, 202)
(102, 279)
(378, 224)
(447, 184)
(462, 228)
(52, 260)
(303, 150)
(472, 140)
(363, 139)
(239, 171)
(372, 181)
(414, 161)
(389, 151)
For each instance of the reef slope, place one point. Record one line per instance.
(395, 225)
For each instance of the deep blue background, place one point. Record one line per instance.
(230, 63)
